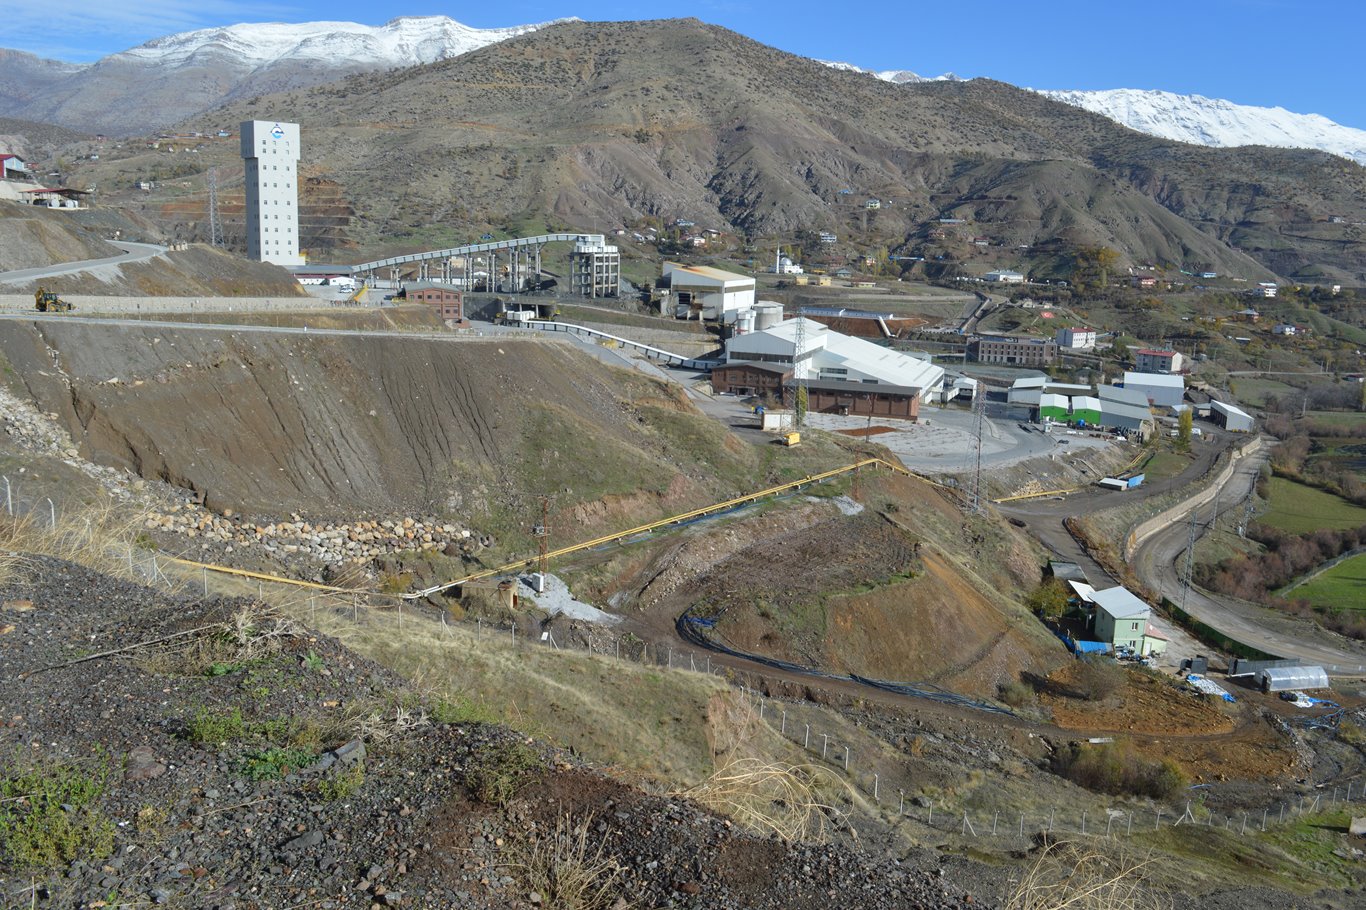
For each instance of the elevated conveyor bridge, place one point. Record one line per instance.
(436, 265)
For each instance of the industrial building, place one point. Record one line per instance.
(1231, 418)
(1013, 350)
(703, 292)
(1004, 277)
(1291, 679)
(447, 302)
(1163, 390)
(594, 269)
(1075, 338)
(270, 151)
(842, 374)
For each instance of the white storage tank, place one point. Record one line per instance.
(767, 314)
(744, 322)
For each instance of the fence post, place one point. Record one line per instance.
(806, 743)
(846, 759)
(825, 744)
(53, 510)
(783, 730)
(1083, 822)
(400, 614)
(875, 799)
(994, 819)
(671, 658)
(206, 582)
(1021, 824)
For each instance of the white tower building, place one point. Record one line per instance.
(271, 152)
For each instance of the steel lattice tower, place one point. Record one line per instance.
(215, 225)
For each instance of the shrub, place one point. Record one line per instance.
(215, 727)
(1066, 876)
(342, 784)
(48, 817)
(1099, 678)
(1017, 694)
(462, 710)
(274, 762)
(1114, 768)
(495, 774)
(566, 872)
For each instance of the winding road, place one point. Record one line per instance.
(1158, 562)
(132, 252)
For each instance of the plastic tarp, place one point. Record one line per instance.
(1091, 647)
(1208, 686)
(1289, 679)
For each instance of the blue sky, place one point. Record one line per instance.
(1296, 54)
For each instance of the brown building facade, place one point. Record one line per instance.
(758, 379)
(446, 300)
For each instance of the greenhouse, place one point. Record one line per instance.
(1292, 679)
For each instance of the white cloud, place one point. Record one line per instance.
(81, 30)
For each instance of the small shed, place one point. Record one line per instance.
(1292, 679)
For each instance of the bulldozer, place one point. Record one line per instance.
(45, 301)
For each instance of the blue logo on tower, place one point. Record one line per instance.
(277, 131)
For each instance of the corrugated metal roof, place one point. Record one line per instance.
(1120, 603)
(706, 271)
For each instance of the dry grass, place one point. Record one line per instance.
(566, 871)
(1069, 877)
(99, 537)
(771, 797)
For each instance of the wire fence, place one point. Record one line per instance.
(873, 770)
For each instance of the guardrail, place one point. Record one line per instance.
(687, 363)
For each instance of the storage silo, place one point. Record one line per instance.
(767, 314)
(745, 322)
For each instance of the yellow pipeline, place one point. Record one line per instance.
(562, 551)
(262, 576)
(675, 519)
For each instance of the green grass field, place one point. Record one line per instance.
(1299, 509)
(1353, 419)
(1164, 465)
(1254, 391)
(1342, 587)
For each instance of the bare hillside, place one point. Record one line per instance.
(595, 124)
(338, 425)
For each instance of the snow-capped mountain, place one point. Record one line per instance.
(406, 41)
(167, 80)
(1214, 122)
(900, 77)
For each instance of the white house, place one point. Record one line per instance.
(1077, 339)
(707, 293)
(12, 167)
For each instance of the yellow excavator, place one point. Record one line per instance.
(45, 301)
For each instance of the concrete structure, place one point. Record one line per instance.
(1125, 411)
(842, 373)
(1013, 350)
(1231, 418)
(1121, 621)
(1075, 338)
(1150, 360)
(706, 293)
(270, 151)
(594, 268)
(1162, 389)
(1004, 277)
(54, 197)
(448, 302)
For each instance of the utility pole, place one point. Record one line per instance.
(799, 372)
(542, 532)
(980, 406)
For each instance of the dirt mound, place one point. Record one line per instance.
(256, 764)
(270, 423)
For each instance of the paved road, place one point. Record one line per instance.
(132, 252)
(1159, 562)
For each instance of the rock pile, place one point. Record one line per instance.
(327, 542)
